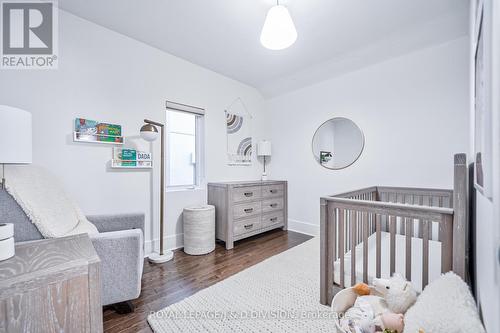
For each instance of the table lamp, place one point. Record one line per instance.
(15, 137)
(264, 150)
(149, 132)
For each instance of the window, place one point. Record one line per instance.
(184, 153)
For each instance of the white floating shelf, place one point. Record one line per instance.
(117, 164)
(82, 137)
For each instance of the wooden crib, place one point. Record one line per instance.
(386, 226)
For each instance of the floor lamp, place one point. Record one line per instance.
(149, 132)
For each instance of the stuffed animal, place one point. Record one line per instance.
(393, 322)
(399, 295)
(382, 311)
(397, 292)
(362, 289)
(358, 318)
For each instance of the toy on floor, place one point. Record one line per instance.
(380, 312)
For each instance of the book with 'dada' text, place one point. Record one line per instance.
(132, 157)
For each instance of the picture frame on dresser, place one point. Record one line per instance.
(245, 209)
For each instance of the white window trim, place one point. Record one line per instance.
(199, 144)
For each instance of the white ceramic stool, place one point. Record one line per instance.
(199, 229)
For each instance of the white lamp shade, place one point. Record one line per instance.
(278, 31)
(149, 136)
(264, 148)
(15, 135)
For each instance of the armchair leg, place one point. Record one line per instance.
(124, 307)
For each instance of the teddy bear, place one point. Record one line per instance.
(398, 293)
(392, 298)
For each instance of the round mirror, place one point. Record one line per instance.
(337, 143)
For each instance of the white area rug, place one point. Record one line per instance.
(280, 294)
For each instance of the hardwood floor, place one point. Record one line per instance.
(173, 281)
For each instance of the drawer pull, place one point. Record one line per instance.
(273, 191)
(273, 219)
(248, 210)
(248, 194)
(273, 205)
(248, 226)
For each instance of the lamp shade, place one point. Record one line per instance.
(149, 132)
(15, 135)
(264, 148)
(278, 31)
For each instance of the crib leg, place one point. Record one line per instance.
(326, 255)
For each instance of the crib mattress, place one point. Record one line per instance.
(416, 260)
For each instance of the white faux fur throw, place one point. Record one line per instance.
(445, 306)
(45, 202)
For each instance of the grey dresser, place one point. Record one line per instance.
(51, 285)
(244, 209)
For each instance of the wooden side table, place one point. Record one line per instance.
(51, 285)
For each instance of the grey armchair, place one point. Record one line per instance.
(119, 244)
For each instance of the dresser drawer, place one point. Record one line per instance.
(271, 205)
(270, 219)
(270, 191)
(247, 193)
(241, 227)
(247, 209)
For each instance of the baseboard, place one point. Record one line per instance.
(171, 242)
(303, 227)
(174, 242)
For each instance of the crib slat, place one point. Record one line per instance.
(421, 222)
(409, 234)
(360, 230)
(365, 249)
(353, 247)
(332, 213)
(341, 246)
(392, 227)
(402, 221)
(348, 230)
(378, 239)
(446, 238)
(425, 254)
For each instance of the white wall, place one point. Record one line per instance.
(413, 111)
(487, 238)
(106, 76)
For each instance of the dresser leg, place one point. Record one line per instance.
(229, 245)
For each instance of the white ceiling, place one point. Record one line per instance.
(334, 36)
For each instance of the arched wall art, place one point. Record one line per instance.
(239, 134)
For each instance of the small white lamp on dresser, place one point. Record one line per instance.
(15, 148)
(264, 150)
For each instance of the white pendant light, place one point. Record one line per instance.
(278, 31)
